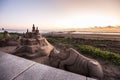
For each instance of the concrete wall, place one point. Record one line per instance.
(16, 68)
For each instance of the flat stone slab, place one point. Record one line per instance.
(11, 66)
(43, 72)
(16, 68)
(90, 78)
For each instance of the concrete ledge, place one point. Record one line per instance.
(11, 66)
(16, 68)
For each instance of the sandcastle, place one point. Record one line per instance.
(8, 40)
(32, 44)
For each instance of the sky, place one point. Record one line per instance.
(58, 14)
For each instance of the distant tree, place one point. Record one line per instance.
(95, 26)
(2, 28)
(109, 26)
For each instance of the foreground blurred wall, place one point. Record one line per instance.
(16, 68)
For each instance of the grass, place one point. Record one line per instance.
(96, 52)
(93, 51)
(11, 34)
(58, 40)
(1, 35)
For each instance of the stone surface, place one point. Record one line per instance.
(11, 66)
(90, 78)
(42, 72)
(16, 68)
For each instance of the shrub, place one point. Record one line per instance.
(96, 52)
(1, 35)
(11, 34)
(58, 40)
(51, 40)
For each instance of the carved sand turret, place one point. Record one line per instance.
(6, 35)
(32, 45)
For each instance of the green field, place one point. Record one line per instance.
(98, 53)
(1, 35)
(104, 54)
(11, 34)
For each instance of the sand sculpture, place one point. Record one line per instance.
(33, 44)
(8, 40)
(6, 34)
(75, 62)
